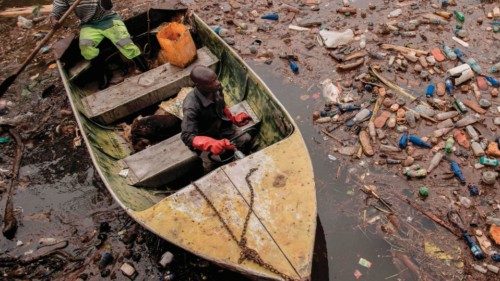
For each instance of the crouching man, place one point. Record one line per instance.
(208, 126)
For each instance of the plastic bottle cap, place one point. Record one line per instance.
(423, 191)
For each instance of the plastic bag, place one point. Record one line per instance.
(177, 45)
(331, 93)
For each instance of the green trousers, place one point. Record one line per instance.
(90, 37)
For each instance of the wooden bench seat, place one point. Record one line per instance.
(143, 90)
(170, 159)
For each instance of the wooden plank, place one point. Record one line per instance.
(160, 163)
(141, 91)
(175, 157)
(24, 11)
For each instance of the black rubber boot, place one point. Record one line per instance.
(141, 63)
(102, 72)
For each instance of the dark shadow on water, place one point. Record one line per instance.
(320, 257)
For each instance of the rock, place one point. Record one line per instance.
(168, 276)
(310, 22)
(408, 161)
(484, 103)
(494, 92)
(387, 102)
(400, 114)
(225, 7)
(380, 134)
(166, 259)
(347, 150)
(391, 123)
(461, 138)
(128, 270)
(24, 22)
(380, 121)
(396, 13)
(489, 177)
(106, 259)
(418, 68)
(229, 40)
(105, 272)
(440, 89)
(394, 107)
(401, 129)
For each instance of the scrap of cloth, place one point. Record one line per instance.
(87, 11)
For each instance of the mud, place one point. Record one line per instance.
(59, 196)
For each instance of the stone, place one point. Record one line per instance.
(484, 103)
(128, 270)
(489, 177)
(440, 89)
(380, 121)
(394, 107)
(408, 161)
(387, 102)
(364, 139)
(166, 259)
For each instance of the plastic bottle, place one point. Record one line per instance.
(455, 168)
(331, 93)
(445, 115)
(403, 140)
(420, 173)
(467, 120)
(448, 147)
(435, 161)
(460, 54)
(464, 201)
(477, 149)
(449, 86)
(450, 54)
(474, 65)
(410, 118)
(270, 16)
(459, 16)
(460, 106)
(362, 41)
(348, 107)
(294, 66)
(492, 81)
(429, 92)
(358, 118)
(495, 68)
(445, 3)
(472, 132)
(488, 161)
(418, 141)
(474, 247)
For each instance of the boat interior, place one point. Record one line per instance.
(142, 178)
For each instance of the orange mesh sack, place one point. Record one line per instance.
(177, 44)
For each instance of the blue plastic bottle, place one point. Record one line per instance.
(429, 92)
(403, 140)
(270, 16)
(455, 168)
(416, 140)
(474, 247)
(449, 86)
(460, 54)
(348, 107)
(294, 66)
(492, 81)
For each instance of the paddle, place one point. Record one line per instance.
(8, 82)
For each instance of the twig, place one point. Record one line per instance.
(9, 219)
(430, 215)
(370, 192)
(389, 84)
(331, 136)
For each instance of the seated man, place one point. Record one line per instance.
(208, 126)
(98, 20)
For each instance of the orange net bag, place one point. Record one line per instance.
(177, 45)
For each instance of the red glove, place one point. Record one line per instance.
(240, 119)
(216, 147)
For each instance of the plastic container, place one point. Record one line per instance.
(448, 147)
(455, 168)
(177, 45)
(416, 140)
(488, 161)
(429, 91)
(294, 66)
(270, 16)
(435, 161)
(474, 65)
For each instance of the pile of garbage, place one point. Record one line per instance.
(442, 134)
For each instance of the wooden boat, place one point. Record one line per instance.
(282, 222)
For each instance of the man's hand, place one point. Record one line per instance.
(212, 145)
(241, 119)
(54, 22)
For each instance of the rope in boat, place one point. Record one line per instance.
(246, 253)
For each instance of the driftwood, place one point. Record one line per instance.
(347, 66)
(25, 11)
(9, 219)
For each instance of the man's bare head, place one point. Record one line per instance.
(205, 79)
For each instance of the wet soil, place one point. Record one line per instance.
(59, 196)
